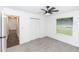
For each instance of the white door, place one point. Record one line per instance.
(0, 32)
(4, 31)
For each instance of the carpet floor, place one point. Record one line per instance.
(45, 44)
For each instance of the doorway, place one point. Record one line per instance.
(13, 31)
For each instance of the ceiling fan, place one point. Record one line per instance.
(49, 10)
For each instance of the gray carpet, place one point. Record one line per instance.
(45, 44)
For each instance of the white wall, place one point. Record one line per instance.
(29, 28)
(74, 39)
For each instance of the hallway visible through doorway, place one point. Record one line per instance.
(13, 31)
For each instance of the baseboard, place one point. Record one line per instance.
(45, 37)
(34, 39)
(64, 42)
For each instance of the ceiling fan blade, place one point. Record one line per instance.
(52, 8)
(55, 10)
(43, 9)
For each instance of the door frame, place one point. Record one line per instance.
(17, 24)
(4, 42)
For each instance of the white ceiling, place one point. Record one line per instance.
(37, 9)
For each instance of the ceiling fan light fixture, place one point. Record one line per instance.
(47, 14)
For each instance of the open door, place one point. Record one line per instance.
(4, 31)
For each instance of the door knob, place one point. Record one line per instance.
(3, 37)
